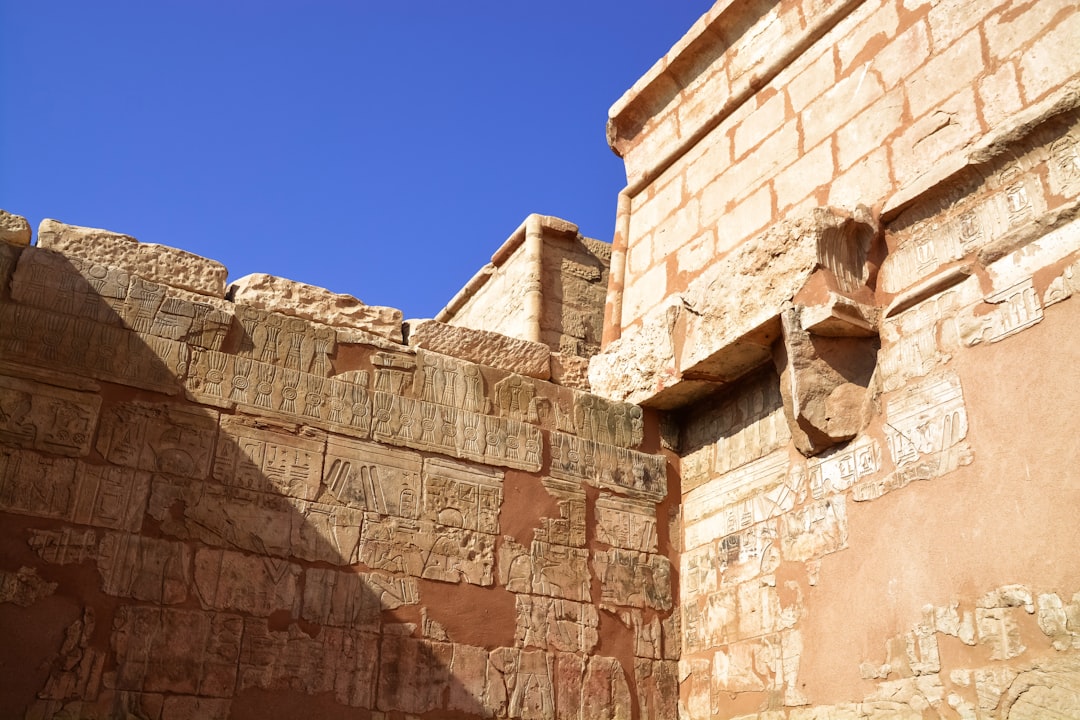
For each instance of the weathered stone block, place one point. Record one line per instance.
(156, 263)
(482, 347)
(14, 229)
(297, 299)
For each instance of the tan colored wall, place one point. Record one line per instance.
(756, 117)
(269, 506)
(851, 245)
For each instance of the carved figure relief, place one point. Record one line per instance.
(159, 437)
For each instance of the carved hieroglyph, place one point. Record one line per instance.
(47, 418)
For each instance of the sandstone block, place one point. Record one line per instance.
(14, 229)
(570, 371)
(153, 262)
(309, 302)
(482, 347)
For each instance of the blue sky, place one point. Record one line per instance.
(379, 149)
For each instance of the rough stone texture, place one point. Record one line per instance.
(482, 347)
(14, 229)
(276, 515)
(297, 299)
(156, 263)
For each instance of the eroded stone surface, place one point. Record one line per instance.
(14, 229)
(482, 347)
(156, 263)
(297, 299)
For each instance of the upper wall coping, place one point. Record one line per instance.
(708, 42)
(549, 223)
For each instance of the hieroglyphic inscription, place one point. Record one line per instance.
(626, 523)
(286, 342)
(814, 530)
(606, 421)
(373, 477)
(627, 471)
(632, 579)
(272, 525)
(918, 341)
(80, 287)
(1005, 196)
(487, 439)
(47, 339)
(47, 418)
(569, 527)
(755, 492)
(744, 426)
(230, 381)
(443, 380)
(111, 497)
(925, 430)
(428, 550)
(65, 545)
(1016, 308)
(555, 624)
(353, 600)
(526, 679)
(267, 460)
(462, 496)
(159, 437)
(842, 469)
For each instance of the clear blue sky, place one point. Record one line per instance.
(379, 149)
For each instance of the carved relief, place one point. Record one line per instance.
(268, 460)
(462, 496)
(143, 568)
(545, 569)
(287, 342)
(525, 679)
(626, 523)
(373, 477)
(751, 494)
(515, 398)
(815, 530)
(180, 651)
(607, 422)
(569, 527)
(268, 524)
(47, 418)
(226, 580)
(1016, 308)
(555, 624)
(159, 437)
(41, 338)
(65, 546)
(926, 427)
(442, 380)
(31, 484)
(230, 381)
(353, 600)
(606, 466)
(632, 579)
(842, 469)
(425, 549)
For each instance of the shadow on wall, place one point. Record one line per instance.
(165, 559)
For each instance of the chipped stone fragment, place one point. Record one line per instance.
(309, 302)
(14, 229)
(24, 587)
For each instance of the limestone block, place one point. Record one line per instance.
(144, 568)
(570, 371)
(227, 580)
(55, 341)
(47, 418)
(605, 694)
(570, 527)
(607, 466)
(84, 288)
(156, 263)
(159, 437)
(65, 489)
(555, 624)
(300, 300)
(14, 229)
(482, 347)
(269, 459)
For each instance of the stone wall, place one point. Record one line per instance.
(257, 501)
(847, 255)
(547, 284)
